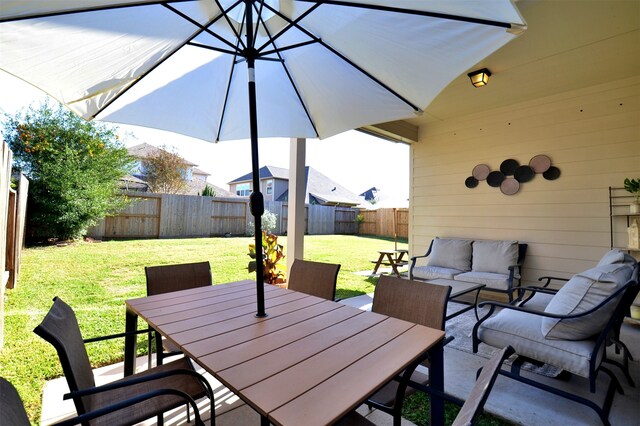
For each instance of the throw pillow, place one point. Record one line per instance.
(581, 293)
(451, 253)
(617, 256)
(494, 256)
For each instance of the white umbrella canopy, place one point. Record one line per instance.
(238, 69)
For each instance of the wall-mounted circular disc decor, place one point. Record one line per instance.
(524, 174)
(471, 182)
(552, 174)
(495, 178)
(508, 167)
(509, 186)
(540, 163)
(481, 171)
(512, 175)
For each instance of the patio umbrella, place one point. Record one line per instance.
(237, 69)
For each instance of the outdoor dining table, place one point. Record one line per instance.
(310, 361)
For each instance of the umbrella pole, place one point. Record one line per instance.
(256, 199)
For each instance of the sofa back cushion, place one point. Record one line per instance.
(494, 256)
(617, 256)
(451, 253)
(582, 292)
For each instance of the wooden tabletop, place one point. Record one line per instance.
(310, 361)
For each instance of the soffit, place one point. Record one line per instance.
(568, 45)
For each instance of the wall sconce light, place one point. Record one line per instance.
(480, 78)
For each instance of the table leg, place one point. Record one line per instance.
(131, 325)
(436, 375)
(380, 259)
(394, 267)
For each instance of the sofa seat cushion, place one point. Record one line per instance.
(451, 253)
(494, 256)
(522, 331)
(490, 279)
(433, 272)
(583, 292)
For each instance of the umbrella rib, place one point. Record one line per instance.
(217, 49)
(226, 17)
(293, 46)
(411, 12)
(288, 27)
(347, 60)
(88, 9)
(226, 94)
(293, 84)
(156, 65)
(203, 28)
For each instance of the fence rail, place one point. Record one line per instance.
(152, 215)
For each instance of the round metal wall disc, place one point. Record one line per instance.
(481, 171)
(471, 182)
(524, 174)
(508, 167)
(540, 163)
(552, 174)
(495, 179)
(509, 186)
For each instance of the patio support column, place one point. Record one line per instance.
(297, 192)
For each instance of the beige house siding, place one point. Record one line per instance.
(592, 135)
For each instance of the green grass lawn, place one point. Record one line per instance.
(96, 278)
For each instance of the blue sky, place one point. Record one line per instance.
(353, 159)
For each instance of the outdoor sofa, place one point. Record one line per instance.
(494, 263)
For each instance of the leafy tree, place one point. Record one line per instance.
(208, 191)
(165, 172)
(73, 166)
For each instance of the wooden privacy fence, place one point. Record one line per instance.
(13, 206)
(152, 215)
(386, 222)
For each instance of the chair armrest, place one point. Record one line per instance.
(116, 336)
(549, 279)
(83, 418)
(139, 379)
(413, 258)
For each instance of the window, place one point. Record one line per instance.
(243, 189)
(270, 187)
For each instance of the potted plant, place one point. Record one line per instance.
(272, 253)
(633, 186)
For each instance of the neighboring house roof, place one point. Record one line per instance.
(265, 172)
(144, 150)
(197, 171)
(319, 186)
(132, 183)
(370, 194)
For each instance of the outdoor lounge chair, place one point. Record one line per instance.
(570, 333)
(176, 379)
(412, 301)
(314, 278)
(167, 278)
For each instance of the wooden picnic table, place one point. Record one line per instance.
(393, 258)
(310, 361)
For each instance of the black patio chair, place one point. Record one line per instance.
(314, 278)
(418, 302)
(167, 278)
(133, 398)
(12, 412)
(581, 357)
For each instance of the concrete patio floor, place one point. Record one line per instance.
(514, 401)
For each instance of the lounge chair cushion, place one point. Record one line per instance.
(522, 331)
(490, 279)
(582, 292)
(433, 272)
(539, 301)
(451, 253)
(494, 256)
